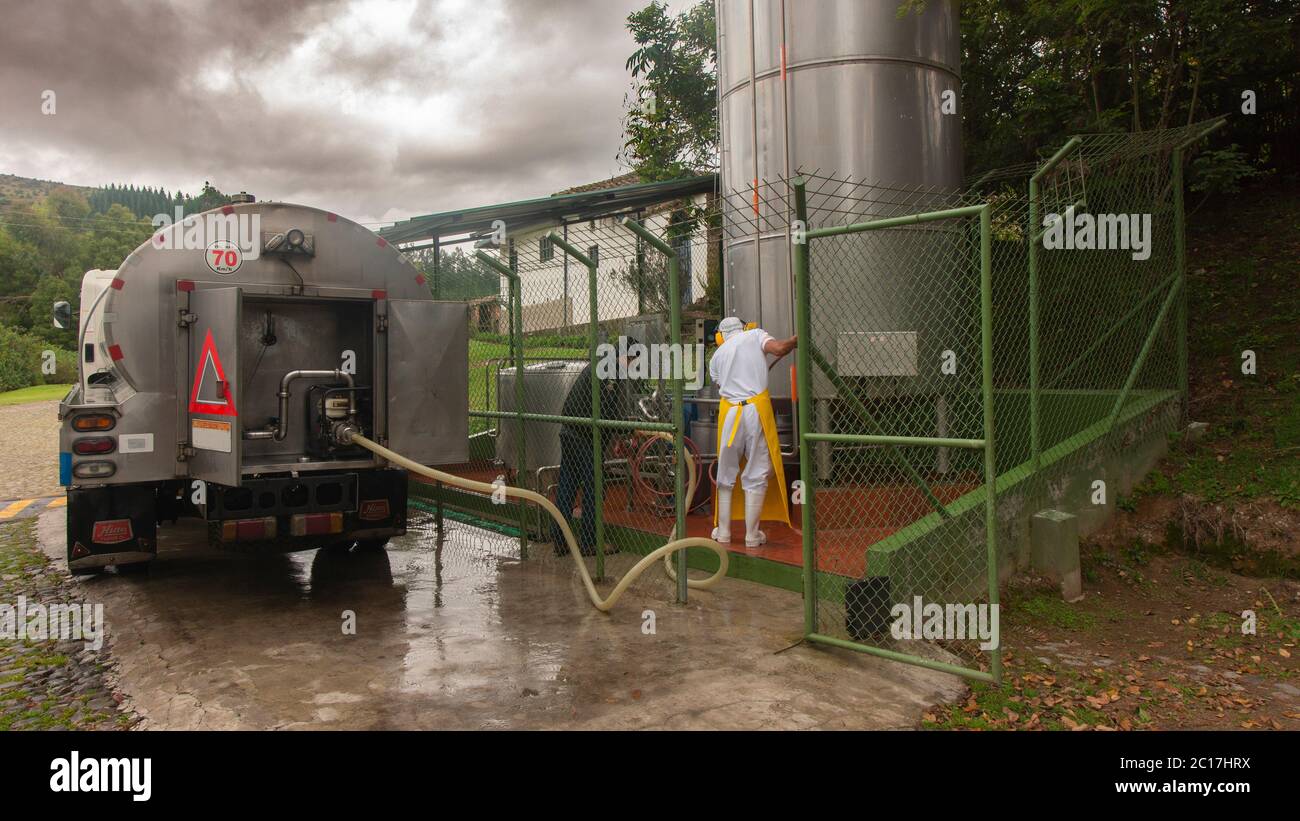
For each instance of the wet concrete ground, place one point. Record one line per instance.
(462, 634)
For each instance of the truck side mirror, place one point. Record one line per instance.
(62, 315)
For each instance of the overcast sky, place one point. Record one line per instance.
(376, 109)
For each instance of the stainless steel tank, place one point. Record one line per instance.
(857, 95)
(546, 385)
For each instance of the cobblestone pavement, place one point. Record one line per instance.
(44, 684)
(29, 440)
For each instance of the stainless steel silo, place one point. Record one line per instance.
(850, 89)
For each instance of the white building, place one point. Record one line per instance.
(555, 287)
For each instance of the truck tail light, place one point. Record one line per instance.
(248, 530)
(94, 445)
(94, 470)
(93, 421)
(316, 524)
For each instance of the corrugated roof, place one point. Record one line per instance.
(631, 178)
(583, 204)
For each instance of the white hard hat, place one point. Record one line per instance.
(730, 326)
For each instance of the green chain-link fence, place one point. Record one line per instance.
(959, 345)
(959, 357)
(603, 446)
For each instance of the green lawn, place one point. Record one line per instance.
(482, 371)
(36, 393)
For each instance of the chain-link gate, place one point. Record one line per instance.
(1041, 309)
(894, 317)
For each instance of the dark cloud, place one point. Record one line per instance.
(377, 110)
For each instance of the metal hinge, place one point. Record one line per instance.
(382, 323)
(187, 318)
(183, 451)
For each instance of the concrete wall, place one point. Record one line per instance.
(945, 560)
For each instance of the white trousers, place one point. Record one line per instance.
(749, 444)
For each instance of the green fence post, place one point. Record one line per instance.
(515, 300)
(990, 454)
(675, 336)
(803, 387)
(597, 447)
(1035, 408)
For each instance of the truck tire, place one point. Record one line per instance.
(371, 545)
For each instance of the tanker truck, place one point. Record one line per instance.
(215, 365)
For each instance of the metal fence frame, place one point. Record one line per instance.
(1172, 296)
(808, 355)
(595, 421)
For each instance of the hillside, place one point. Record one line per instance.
(15, 190)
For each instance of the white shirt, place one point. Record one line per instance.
(739, 366)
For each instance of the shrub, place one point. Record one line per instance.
(20, 361)
(65, 371)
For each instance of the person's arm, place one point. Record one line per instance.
(780, 347)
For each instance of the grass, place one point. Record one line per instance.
(482, 376)
(36, 393)
(1050, 609)
(1243, 298)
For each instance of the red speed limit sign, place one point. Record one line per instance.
(224, 257)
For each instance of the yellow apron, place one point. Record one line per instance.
(775, 505)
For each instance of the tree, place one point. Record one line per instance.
(671, 125)
(459, 275)
(1036, 71)
(1033, 73)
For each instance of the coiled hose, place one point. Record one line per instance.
(349, 436)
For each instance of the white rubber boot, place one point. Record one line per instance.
(753, 509)
(722, 533)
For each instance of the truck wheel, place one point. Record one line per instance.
(371, 545)
(133, 569)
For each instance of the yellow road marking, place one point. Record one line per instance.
(59, 501)
(15, 508)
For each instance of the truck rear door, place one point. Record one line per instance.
(428, 380)
(213, 400)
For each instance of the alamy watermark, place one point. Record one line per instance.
(1073, 231)
(228, 239)
(133, 776)
(932, 621)
(660, 360)
(53, 622)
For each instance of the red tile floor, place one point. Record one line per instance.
(850, 520)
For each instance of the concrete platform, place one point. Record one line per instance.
(459, 633)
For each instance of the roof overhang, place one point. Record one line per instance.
(553, 210)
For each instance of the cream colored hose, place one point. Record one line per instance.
(603, 605)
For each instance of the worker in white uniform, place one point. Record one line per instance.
(747, 431)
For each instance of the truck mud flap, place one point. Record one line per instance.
(111, 525)
(381, 504)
